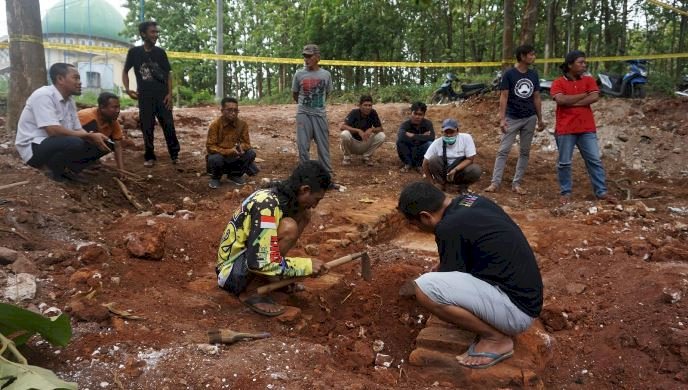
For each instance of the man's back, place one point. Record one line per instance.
(476, 236)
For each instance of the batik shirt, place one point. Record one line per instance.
(250, 245)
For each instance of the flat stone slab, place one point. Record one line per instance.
(444, 339)
(323, 282)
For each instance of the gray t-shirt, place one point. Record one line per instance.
(45, 107)
(313, 88)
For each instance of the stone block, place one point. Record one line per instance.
(444, 339)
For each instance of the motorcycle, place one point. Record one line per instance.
(682, 89)
(630, 85)
(446, 93)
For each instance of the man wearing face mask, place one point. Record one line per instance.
(449, 159)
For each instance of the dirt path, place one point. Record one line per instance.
(610, 273)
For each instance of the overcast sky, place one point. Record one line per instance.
(45, 5)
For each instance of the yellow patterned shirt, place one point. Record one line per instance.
(250, 245)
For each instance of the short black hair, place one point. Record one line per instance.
(419, 196)
(59, 69)
(311, 173)
(104, 98)
(365, 98)
(228, 100)
(144, 26)
(523, 50)
(419, 106)
(569, 59)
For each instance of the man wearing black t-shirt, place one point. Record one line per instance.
(153, 90)
(519, 110)
(361, 131)
(487, 281)
(414, 138)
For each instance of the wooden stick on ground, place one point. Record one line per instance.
(128, 194)
(19, 183)
(124, 172)
(186, 188)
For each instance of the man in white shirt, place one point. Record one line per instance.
(449, 159)
(49, 133)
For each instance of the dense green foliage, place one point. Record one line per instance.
(398, 30)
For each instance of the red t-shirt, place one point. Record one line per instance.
(574, 120)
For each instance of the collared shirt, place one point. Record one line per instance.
(92, 120)
(45, 107)
(223, 135)
(570, 119)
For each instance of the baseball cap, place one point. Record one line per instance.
(311, 49)
(450, 124)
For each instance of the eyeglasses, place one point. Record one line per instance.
(230, 110)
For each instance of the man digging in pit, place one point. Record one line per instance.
(487, 280)
(263, 230)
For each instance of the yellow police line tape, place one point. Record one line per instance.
(298, 61)
(667, 6)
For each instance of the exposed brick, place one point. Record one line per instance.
(445, 339)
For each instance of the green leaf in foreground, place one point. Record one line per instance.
(22, 377)
(20, 324)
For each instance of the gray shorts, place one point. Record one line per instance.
(484, 300)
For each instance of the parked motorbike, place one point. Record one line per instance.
(446, 93)
(682, 88)
(630, 85)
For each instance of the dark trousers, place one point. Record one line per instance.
(232, 166)
(411, 153)
(151, 107)
(58, 153)
(465, 177)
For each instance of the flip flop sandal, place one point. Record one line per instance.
(257, 299)
(496, 358)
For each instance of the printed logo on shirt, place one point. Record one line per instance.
(468, 200)
(314, 92)
(524, 88)
(267, 222)
(275, 256)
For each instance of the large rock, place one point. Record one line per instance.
(20, 287)
(7, 255)
(147, 245)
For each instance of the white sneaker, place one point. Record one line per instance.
(149, 163)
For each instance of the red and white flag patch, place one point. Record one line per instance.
(267, 222)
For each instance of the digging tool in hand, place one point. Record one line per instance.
(366, 272)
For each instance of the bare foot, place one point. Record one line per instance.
(491, 188)
(519, 190)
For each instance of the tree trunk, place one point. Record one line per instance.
(27, 56)
(681, 62)
(549, 35)
(624, 24)
(508, 37)
(529, 22)
(259, 82)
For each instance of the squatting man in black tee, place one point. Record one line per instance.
(487, 280)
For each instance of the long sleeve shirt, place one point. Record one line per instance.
(223, 136)
(251, 240)
(424, 126)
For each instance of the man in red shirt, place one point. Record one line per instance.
(574, 92)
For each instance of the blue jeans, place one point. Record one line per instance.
(590, 151)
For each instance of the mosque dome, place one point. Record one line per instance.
(105, 20)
